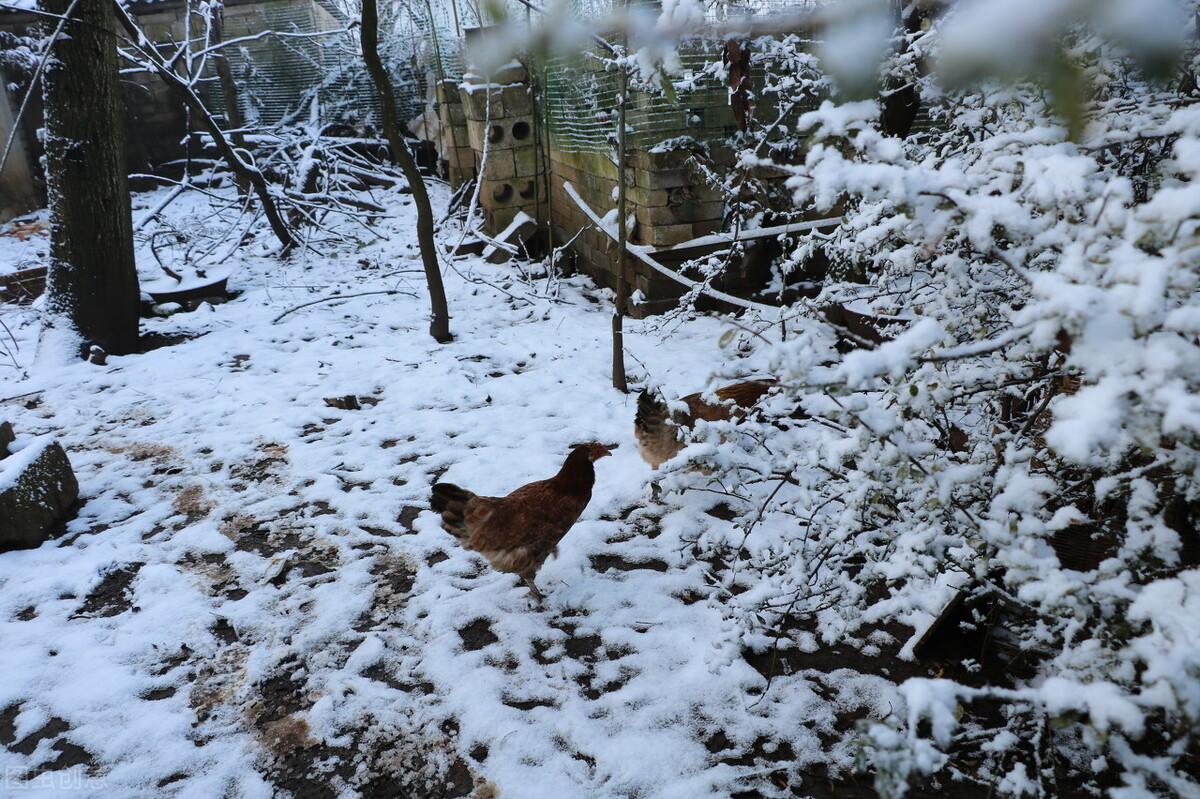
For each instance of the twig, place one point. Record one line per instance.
(16, 124)
(22, 396)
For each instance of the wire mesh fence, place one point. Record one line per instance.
(423, 41)
(581, 100)
(317, 58)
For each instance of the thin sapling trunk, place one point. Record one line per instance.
(622, 300)
(439, 325)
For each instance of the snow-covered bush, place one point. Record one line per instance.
(1015, 435)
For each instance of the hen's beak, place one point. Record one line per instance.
(603, 451)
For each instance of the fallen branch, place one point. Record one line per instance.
(341, 297)
(158, 209)
(641, 254)
(240, 168)
(22, 396)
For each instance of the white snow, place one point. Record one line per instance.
(12, 467)
(216, 464)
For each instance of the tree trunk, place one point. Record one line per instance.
(92, 285)
(439, 325)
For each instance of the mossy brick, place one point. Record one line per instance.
(457, 136)
(591, 163)
(595, 189)
(500, 218)
(655, 286)
(689, 211)
(718, 117)
(699, 192)
(651, 160)
(722, 156)
(666, 235)
(648, 197)
(560, 172)
(769, 173)
(664, 178)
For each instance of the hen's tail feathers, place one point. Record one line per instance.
(747, 393)
(451, 502)
(651, 411)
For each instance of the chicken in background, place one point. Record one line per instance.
(658, 429)
(518, 532)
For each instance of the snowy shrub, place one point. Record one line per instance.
(1009, 423)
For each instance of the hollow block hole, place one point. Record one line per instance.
(502, 193)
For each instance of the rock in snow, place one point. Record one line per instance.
(37, 489)
(6, 437)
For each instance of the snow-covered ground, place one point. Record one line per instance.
(24, 242)
(255, 598)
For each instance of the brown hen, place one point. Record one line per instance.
(518, 532)
(658, 429)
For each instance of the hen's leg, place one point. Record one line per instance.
(527, 578)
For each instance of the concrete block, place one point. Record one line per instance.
(511, 133)
(527, 161)
(475, 135)
(475, 103)
(500, 165)
(515, 73)
(447, 93)
(517, 100)
(498, 194)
